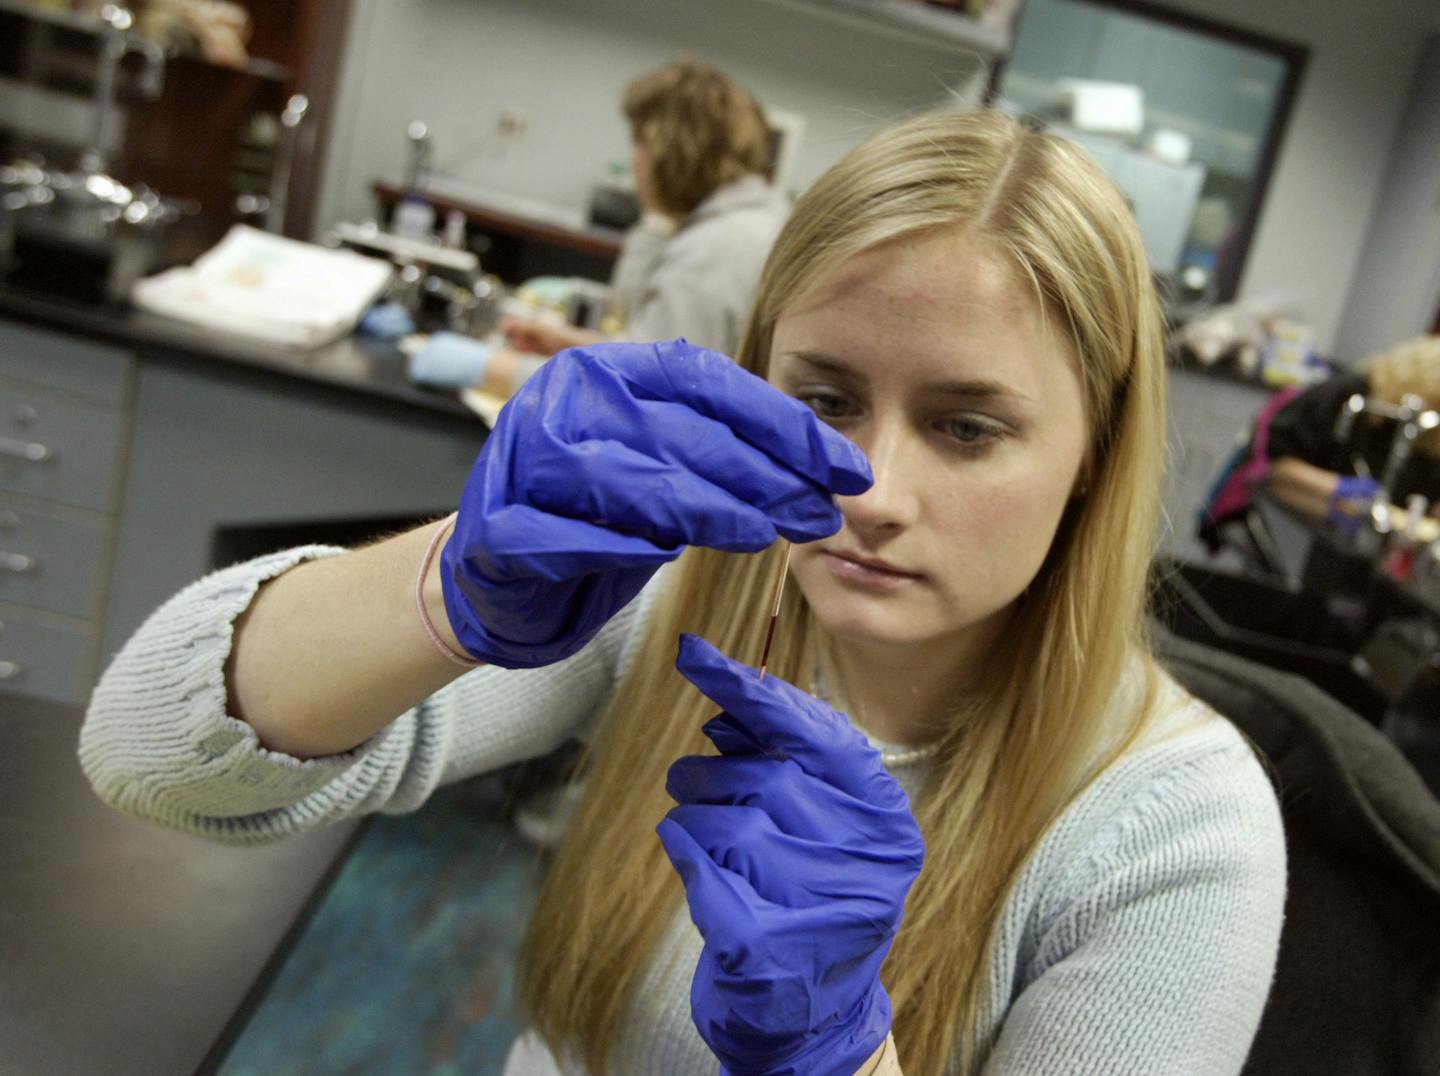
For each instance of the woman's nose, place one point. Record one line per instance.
(893, 502)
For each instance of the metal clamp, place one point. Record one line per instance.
(18, 563)
(29, 451)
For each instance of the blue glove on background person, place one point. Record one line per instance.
(1350, 502)
(797, 850)
(604, 466)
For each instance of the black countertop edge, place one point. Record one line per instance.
(357, 363)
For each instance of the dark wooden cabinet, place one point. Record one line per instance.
(194, 139)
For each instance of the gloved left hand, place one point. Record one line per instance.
(796, 849)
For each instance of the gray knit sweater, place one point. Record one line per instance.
(1141, 936)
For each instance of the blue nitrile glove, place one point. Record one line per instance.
(451, 361)
(1350, 502)
(386, 321)
(797, 849)
(603, 466)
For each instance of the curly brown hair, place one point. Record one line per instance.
(1409, 368)
(702, 128)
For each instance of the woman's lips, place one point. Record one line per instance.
(870, 574)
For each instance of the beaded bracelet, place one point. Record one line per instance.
(440, 531)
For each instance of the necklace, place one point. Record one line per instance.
(904, 756)
(829, 687)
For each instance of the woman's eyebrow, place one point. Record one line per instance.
(972, 388)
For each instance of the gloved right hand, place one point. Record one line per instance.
(1350, 502)
(604, 466)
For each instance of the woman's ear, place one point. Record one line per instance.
(1081, 486)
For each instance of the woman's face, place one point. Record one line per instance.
(931, 354)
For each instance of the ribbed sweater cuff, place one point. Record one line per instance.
(159, 741)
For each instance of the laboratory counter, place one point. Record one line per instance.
(138, 453)
(130, 948)
(356, 363)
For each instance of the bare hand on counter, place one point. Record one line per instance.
(543, 337)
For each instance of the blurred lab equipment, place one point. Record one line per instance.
(439, 286)
(587, 303)
(613, 201)
(84, 233)
(1411, 418)
(438, 280)
(415, 217)
(269, 209)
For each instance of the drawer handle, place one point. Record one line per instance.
(30, 451)
(11, 670)
(18, 563)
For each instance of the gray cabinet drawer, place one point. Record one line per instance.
(47, 562)
(57, 360)
(57, 447)
(43, 659)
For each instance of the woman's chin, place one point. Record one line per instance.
(858, 620)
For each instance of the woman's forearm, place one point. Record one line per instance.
(1302, 485)
(332, 651)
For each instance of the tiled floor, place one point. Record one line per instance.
(406, 966)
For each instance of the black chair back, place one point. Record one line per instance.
(1357, 983)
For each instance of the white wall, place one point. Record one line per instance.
(1326, 184)
(1396, 293)
(458, 63)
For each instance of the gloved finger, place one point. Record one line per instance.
(794, 871)
(672, 433)
(520, 542)
(800, 805)
(621, 489)
(723, 906)
(784, 721)
(719, 388)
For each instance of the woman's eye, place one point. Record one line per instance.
(971, 432)
(826, 405)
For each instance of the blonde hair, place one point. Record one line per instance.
(1017, 751)
(1411, 368)
(702, 128)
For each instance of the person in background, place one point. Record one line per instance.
(1293, 451)
(1328, 478)
(963, 821)
(699, 149)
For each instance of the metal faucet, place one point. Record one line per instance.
(291, 121)
(421, 149)
(115, 23)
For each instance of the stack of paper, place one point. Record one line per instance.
(269, 288)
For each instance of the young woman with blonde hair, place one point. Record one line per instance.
(950, 399)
